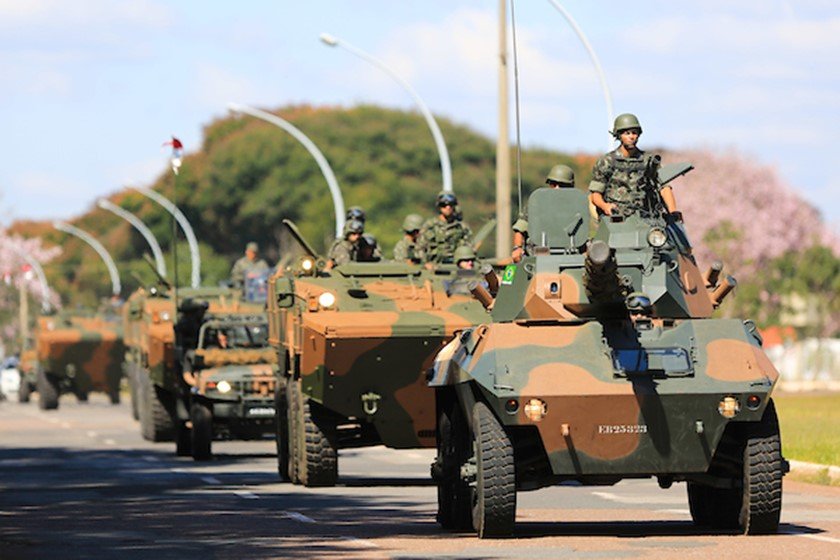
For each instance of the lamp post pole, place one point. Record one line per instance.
(445, 165)
(116, 288)
(326, 170)
(503, 238)
(160, 264)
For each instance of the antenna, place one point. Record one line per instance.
(516, 104)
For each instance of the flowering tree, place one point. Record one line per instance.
(16, 273)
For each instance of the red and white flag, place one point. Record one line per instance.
(177, 153)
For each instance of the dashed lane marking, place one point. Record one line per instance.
(110, 442)
(211, 480)
(680, 511)
(359, 543)
(246, 495)
(151, 458)
(813, 537)
(298, 517)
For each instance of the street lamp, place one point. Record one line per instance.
(595, 61)
(42, 278)
(97, 246)
(160, 264)
(326, 170)
(445, 166)
(195, 257)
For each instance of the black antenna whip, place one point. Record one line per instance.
(516, 104)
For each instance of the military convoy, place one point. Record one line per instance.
(74, 353)
(353, 348)
(601, 362)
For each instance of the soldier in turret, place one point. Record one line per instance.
(250, 264)
(618, 177)
(465, 257)
(441, 235)
(356, 213)
(368, 249)
(346, 249)
(560, 177)
(406, 248)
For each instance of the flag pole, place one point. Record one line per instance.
(175, 161)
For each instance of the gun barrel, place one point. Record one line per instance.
(713, 274)
(480, 293)
(601, 273)
(723, 290)
(491, 278)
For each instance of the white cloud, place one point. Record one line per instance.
(15, 14)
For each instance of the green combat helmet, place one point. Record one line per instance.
(563, 175)
(464, 253)
(412, 222)
(353, 226)
(624, 122)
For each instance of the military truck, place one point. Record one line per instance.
(602, 362)
(353, 346)
(74, 353)
(175, 370)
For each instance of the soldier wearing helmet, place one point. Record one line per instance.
(248, 264)
(346, 249)
(618, 177)
(368, 249)
(355, 213)
(441, 235)
(406, 248)
(465, 257)
(560, 177)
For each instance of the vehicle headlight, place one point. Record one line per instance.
(164, 316)
(535, 409)
(657, 237)
(729, 407)
(326, 300)
(223, 386)
(307, 265)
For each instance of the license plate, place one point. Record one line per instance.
(261, 411)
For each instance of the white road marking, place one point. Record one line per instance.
(359, 543)
(151, 458)
(814, 537)
(211, 480)
(680, 511)
(246, 495)
(110, 442)
(298, 517)
(92, 434)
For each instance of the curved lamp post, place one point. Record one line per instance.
(595, 61)
(326, 170)
(42, 278)
(445, 166)
(195, 280)
(160, 264)
(97, 246)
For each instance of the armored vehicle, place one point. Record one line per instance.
(353, 346)
(603, 362)
(177, 364)
(73, 353)
(28, 375)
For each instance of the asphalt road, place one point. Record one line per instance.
(80, 482)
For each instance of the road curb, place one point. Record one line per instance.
(801, 467)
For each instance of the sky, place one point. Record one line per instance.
(92, 88)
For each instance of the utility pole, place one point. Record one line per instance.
(503, 221)
(24, 314)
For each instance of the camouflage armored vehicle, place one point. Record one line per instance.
(175, 362)
(353, 347)
(73, 354)
(28, 375)
(229, 374)
(603, 362)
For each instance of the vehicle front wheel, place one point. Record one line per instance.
(24, 391)
(47, 391)
(316, 439)
(202, 431)
(494, 494)
(281, 432)
(453, 451)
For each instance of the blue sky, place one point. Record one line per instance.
(92, 88)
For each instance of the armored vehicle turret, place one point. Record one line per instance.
(353, 346)
(603, 362)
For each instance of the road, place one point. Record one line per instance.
(80, 482)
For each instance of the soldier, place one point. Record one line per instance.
(406, 248)
(618, 176)
(465, 257)
(368, 249)
(249, 264)
(346, 249)
(441, 235)
(560, 176)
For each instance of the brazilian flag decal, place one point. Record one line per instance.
(508, 274)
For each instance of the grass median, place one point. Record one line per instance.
(810, 425)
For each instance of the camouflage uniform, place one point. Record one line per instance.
(406, 249)
(438, 239)
(343, 251)
(243, 267)
(620, 180)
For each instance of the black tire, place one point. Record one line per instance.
(156, 421)
(453, 450)
(494, 496)
(317, 439)
(47, 391)
(133, 392)
(183, 440)
(754, 505)
(24, 391)
(293, 444)
(202, 431)
(114, 396)
(281, 432)
(81, 396)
